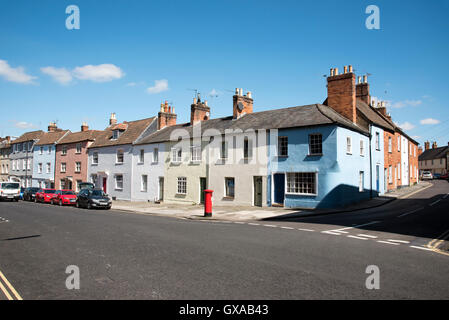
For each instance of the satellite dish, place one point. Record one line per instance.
(240, 106)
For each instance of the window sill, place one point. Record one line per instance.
(228, 198)
(315, 155)
(119, 163)
(301, 194)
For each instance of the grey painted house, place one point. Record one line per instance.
(21, 157)
(110, 157)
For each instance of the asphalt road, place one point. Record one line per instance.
(132, 256)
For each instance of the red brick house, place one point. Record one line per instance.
(72, 157)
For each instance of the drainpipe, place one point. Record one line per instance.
(371, 164)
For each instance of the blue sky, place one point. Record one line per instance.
(279, 50)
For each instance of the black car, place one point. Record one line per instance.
(94, 198)
(29, 194)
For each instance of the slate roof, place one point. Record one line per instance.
(133, 130)
(301, 116)
(436, 153)
(51, 137)
(374, 116)
(4, 143)
(80, 136)
(28, 136)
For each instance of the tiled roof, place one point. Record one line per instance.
(80, 136)
(302, 116)
(133, 130)
(51, 137)
(374, 116)
(436, 153)
(28, 136)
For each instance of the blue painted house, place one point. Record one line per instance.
(44, 155)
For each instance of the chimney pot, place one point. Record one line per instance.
(249, 94)
(359, 79)
(350, 69)
(332, 72)
(336, 71)
(365, 79)
(345, 68)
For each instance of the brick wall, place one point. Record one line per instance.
(392, 159)
(70, 160)
(341, 95)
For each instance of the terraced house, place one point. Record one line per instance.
(22, 157)
(5, 163)
(44, 155)
(435, 159)
(111, 157)
(72, 157)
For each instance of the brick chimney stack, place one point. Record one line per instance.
(52, 127)
(84, 127)
(381, 107)
(199, 111)
(362, 89)
(434, 145)
(166, 117)
(113, 119)
(420, 151)
(242, 104)
(426, 145)
(341, 93)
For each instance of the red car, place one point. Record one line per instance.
(63, 197)
(44, 195)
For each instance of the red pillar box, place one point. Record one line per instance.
(208, 203)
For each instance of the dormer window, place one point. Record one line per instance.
(115, 134)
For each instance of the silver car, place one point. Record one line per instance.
(427, 175)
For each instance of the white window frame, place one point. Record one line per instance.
(361, 181)
(390, 145)
(122, 153)
(181, 186)
(195, 152)
(117, 182)
(95, 157)
(141, 156)
(79, 148)
(348, 145)
(144, 183)
(78, 166)
(287, 187)
(41, 150)
(48, 167)
(313, 141)
(39, 168)
(63, 167)
(155, 155)
(377, 141)
(282, 146)
(176, 155)
(226, 190)
(64, 150)
(362, 148)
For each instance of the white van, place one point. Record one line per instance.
(10, 191)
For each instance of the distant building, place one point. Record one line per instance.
(5, 162)
(435, 159)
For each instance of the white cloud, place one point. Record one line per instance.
(17, 75)
(406, 103)
(61, 75)
(430, 121)
(131, 84)
(159, 86)
(24, 125)
(99, 73)
(406, 126)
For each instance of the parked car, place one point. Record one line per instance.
(426, 175)
(44, 195)
(64, 197)
(436, 175)
(94, 198)
(29, 194)
(86, 185)
(445, 176)
(10, 191)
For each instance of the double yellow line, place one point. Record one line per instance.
(12, 294)
(435, 243)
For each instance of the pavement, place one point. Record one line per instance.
(136, 256)
(241, 213)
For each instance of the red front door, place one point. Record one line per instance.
(104, 184)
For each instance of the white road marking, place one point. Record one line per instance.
(238, 222)
(434, 203)
(270, 226)
(421, 248)
(342, 230)
(254, 224)
(360, 238)
(306, 230)
(330, 232)
(407, 213)
(399, 241)
(386, 242)
(367, 236)
(287, 228)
